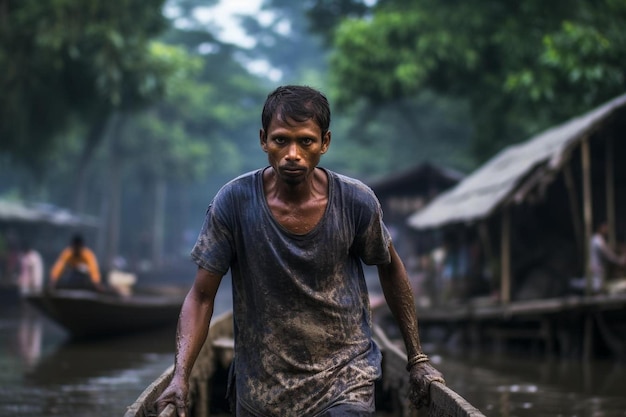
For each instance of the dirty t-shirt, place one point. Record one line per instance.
(301, 311)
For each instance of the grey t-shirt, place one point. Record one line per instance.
(301, 310)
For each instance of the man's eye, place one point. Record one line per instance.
(307, 141)
(279, 141)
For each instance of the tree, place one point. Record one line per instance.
(72, 60)
(521, 66)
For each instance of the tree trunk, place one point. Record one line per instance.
(94, 138)
(158, 226)
(115, 192)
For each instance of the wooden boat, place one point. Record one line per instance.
(208, 381)
(89, 314)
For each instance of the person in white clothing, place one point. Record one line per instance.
(31, 271)
(600, 256)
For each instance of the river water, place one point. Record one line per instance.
(43, 374)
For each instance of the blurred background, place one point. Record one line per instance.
(132, 113)
(120, 119)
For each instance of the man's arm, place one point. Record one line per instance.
(608, 253)
(59, 266)
(93, 268)
(399, 296)
(193, 327)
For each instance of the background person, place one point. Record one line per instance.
(78, 266)
(30, 280)
(600, 256)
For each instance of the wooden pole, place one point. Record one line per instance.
(610, 191)
(587, 206)
(485, 239)
(588, 338)
(505, 257)
(577, 222)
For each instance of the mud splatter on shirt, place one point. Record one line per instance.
(301, 310)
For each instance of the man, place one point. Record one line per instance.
(600, 256)
(80, 266)
(294, 236)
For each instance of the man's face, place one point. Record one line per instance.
(294, 148)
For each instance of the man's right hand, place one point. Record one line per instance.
(176, 393)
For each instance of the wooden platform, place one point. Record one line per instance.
(566, 326)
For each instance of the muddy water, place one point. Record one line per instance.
(42, 374)
(518, 386)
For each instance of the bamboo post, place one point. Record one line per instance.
(588, 338)
(505, 257)
(587, 206)
(610, 191)
(577, 222)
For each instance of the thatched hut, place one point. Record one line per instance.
(532, 207)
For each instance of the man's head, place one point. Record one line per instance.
(77, 241)
(295, 132)
(298, 103)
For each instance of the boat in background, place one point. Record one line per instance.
(88, 314)
(208, 379)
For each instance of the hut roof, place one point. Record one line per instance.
(483, 191)
(415, 178)
(13, 211)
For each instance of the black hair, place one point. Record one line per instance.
(77, 244)
(299, 103)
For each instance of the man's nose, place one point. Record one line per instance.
(293, 152)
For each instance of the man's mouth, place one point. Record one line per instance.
(292, 170)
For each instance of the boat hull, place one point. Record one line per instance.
(87, 314)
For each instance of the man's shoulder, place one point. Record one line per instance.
(356, 187)
(240, 183)
(244, 178)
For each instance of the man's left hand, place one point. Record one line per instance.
(421, 376)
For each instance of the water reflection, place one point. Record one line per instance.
(511, 386)
(29, 336)
(74, 361)
(43, 373)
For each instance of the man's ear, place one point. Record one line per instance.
(263, 140)
(325, 141)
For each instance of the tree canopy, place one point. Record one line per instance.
(521, 66)
(128, 105)
(68, 60)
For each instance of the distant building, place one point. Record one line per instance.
(528, 213)
(404, 193)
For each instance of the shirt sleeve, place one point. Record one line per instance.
(92, 265)
(59, 265)
(213, 250)
(372, 239)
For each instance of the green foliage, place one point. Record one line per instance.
(65, 58)
(521, 66)
(325, 15)
(400, 134)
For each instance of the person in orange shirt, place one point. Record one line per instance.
(80, 265)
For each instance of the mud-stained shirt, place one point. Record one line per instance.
(303, 338)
